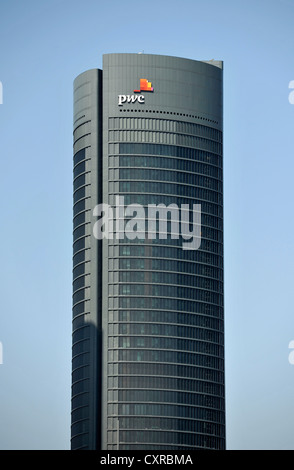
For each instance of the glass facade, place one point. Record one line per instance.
(81, 297)
(148, 315)
(86, 309)
(166, 332)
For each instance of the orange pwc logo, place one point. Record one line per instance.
(144, 86)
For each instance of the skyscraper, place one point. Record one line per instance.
(148, 313)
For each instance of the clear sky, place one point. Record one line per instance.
(44, 45)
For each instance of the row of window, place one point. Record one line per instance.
(144, 288)
(80, 205)
(81, 373)
(81, 295)
(165, 125)
(80, 360)
(81, 192)
(150, 264)
(206, 264)
(165, 396)
(80, 168)
(79, 156)
(164, 447)
(81, 256)
(207, 207)
(165, 138)
(79, 308)
(81, 231)
(148, 287)
(80, 413)
(81, 347)
(166, 383)
(155, 369)
(166, 317)
(177, 438)
(80, 400)
(171, 424)
(81, 180)
(153, 290)
(205, 394)
(163, 343)
(79, 322)
(81, 218)
(80, 409)
(155, 409)
(153, 230)
(168, 291)
(164, 251)
(83, 166)
(169, 278)
(173, 113)
(81, 281)
(80, 427)
(166, 370)
(196, 192)
(80, 243)
(81, 334)
(136, 148)
(171, 252)
(211, 213)
(179, 164)
(81, 131)
(81, 441)
(174, 195)
(156, 175)
(82, 269)
(81, 387)
(177, 357)
(138, 233)
(162, 329)
(175, 304)
(85, 231)
(81, 173)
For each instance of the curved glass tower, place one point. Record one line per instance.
(148, 314)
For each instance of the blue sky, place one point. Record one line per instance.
(44, 45)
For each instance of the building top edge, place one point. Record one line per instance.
(120, 58)
(93, 73)
(212, 62)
